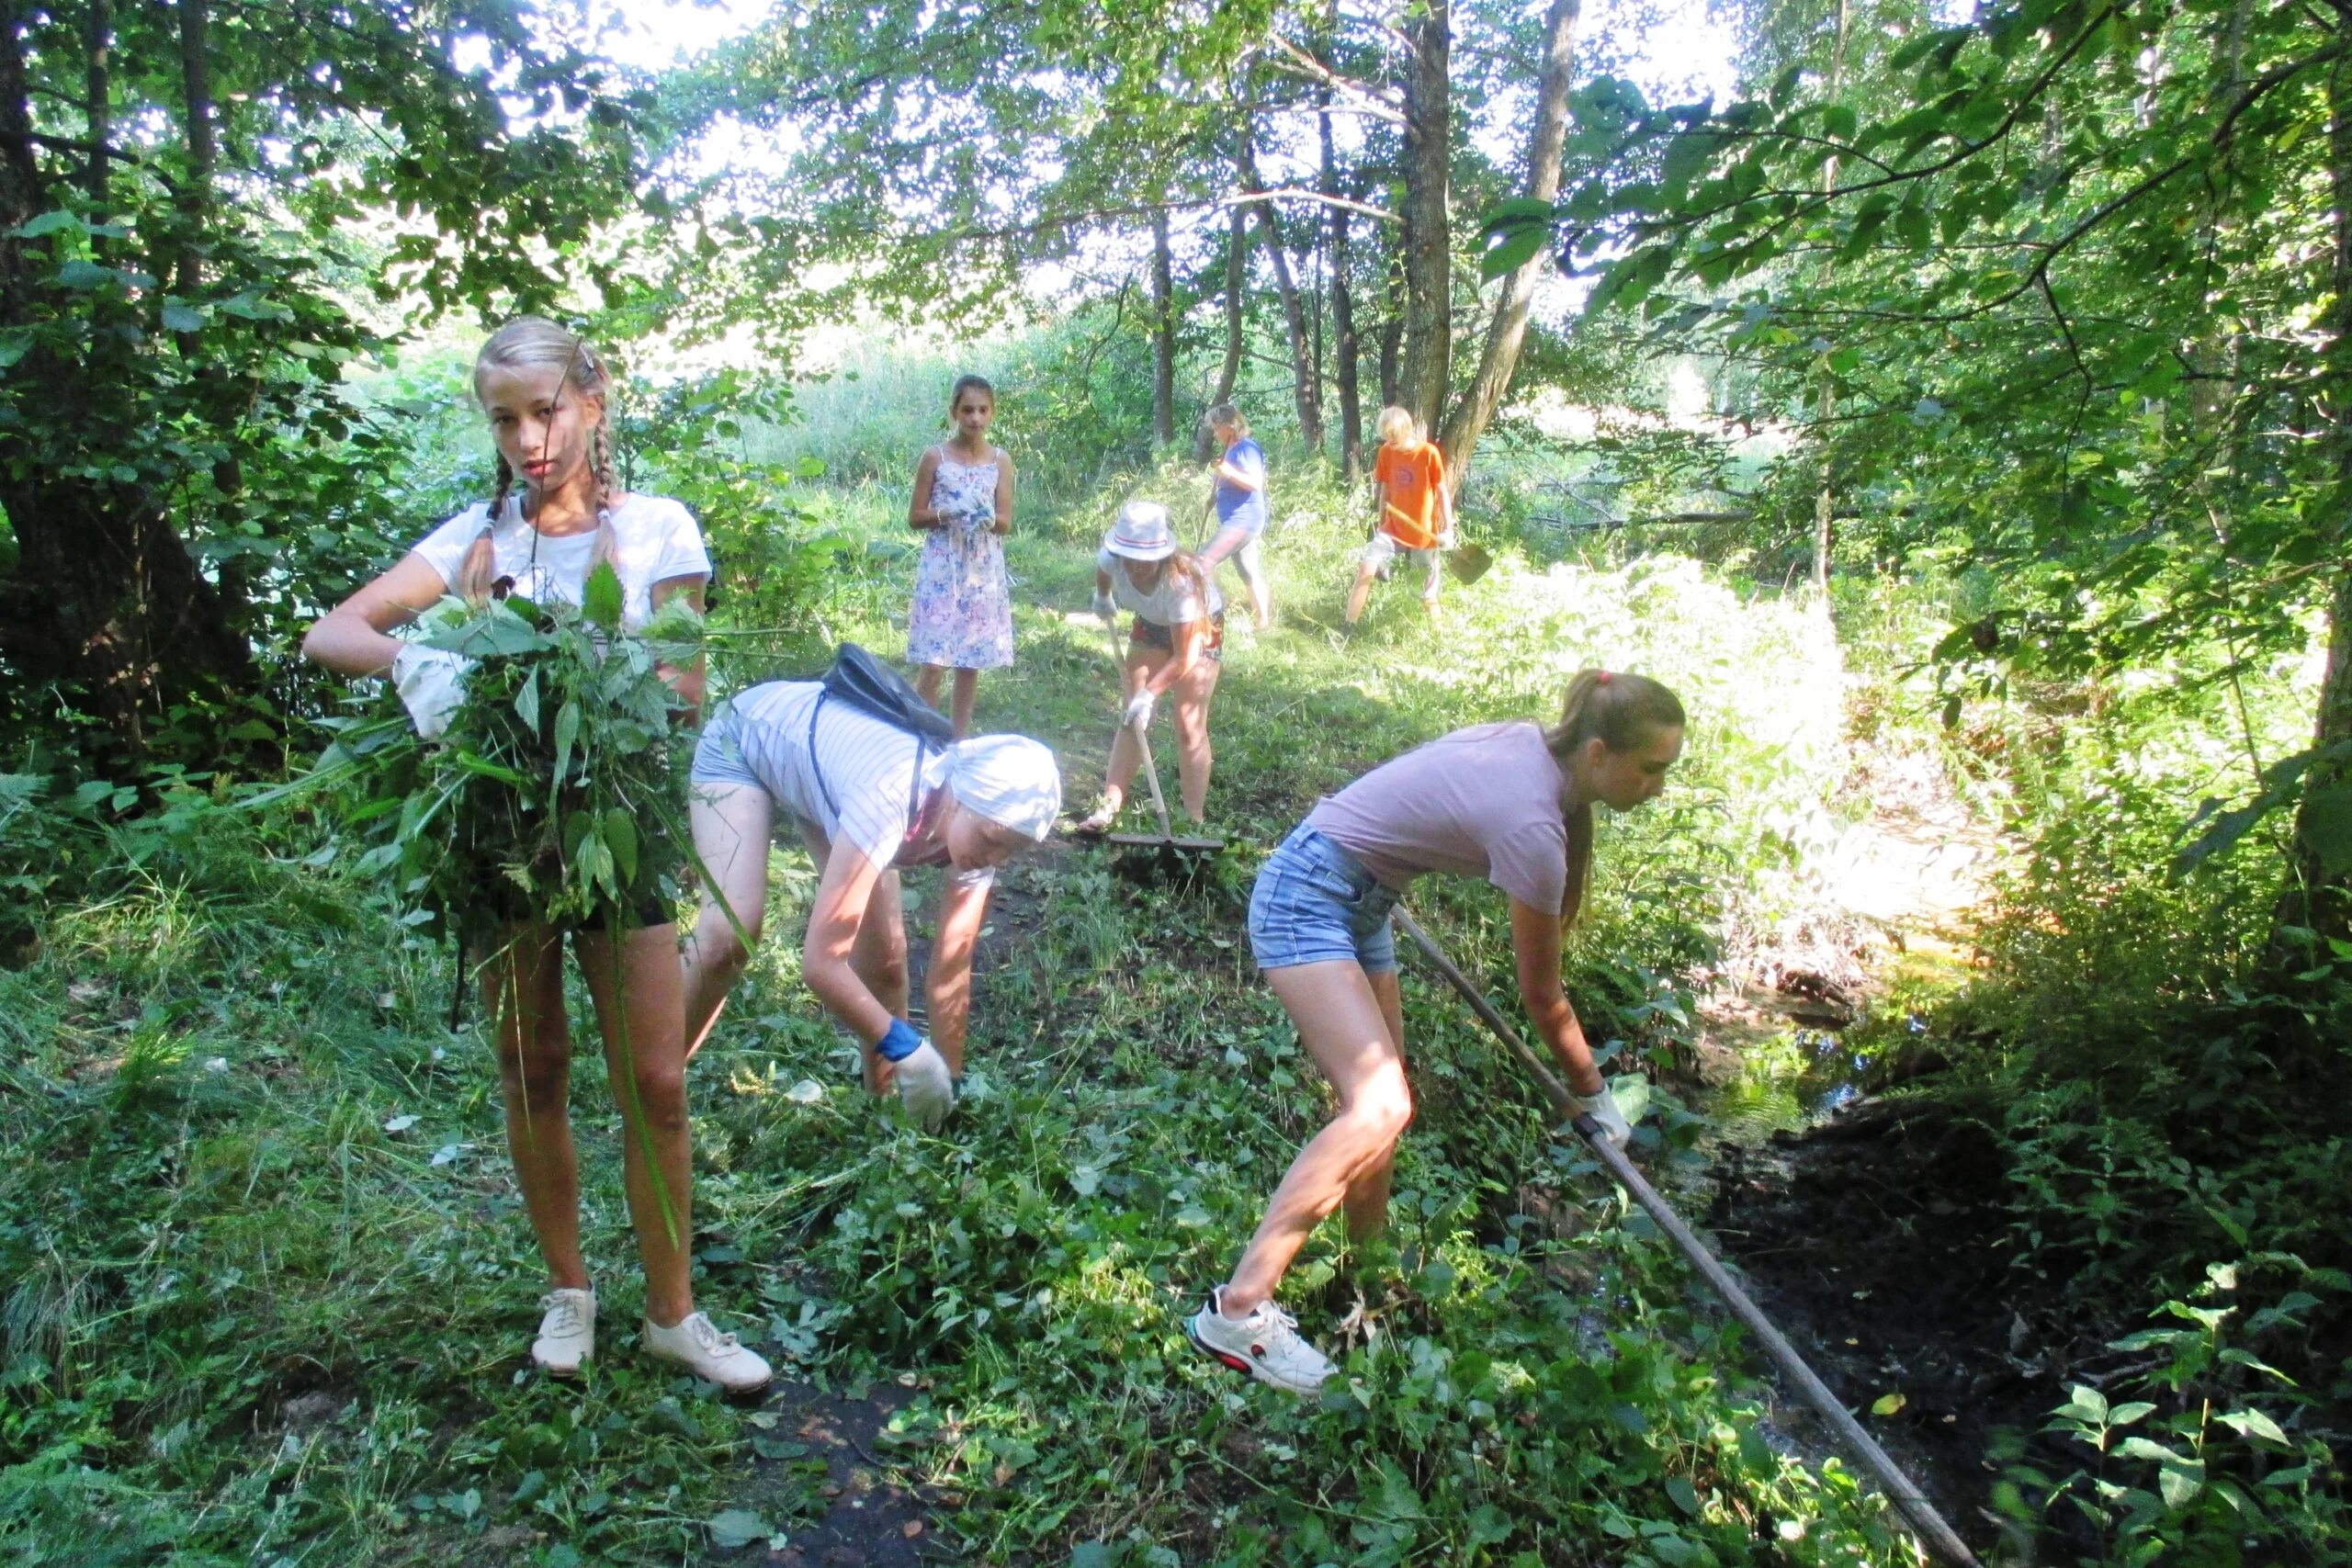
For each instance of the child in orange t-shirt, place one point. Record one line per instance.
(1416, 511)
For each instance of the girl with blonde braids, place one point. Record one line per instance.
(544, 392)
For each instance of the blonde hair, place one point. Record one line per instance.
(1224, 416)
(534, 343)
(1620, 711)
(1398, 426)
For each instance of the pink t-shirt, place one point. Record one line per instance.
(1488, 801)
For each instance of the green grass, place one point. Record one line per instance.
(248, 1323)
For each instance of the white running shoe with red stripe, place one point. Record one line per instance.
(1265, 1344)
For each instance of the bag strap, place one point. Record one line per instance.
(914, 788)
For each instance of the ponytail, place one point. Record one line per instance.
(1620, 711)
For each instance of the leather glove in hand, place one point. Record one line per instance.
(432, 683)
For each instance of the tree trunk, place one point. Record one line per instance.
(1307, 394)
(2321, 898)
(1427, 241)
(104, 600)
(96, 111)
(1345, 349)
(1392, 337)
(1163, 334)
(1237, 270)
(196, 79)
(1507, 330)
(1825, 504)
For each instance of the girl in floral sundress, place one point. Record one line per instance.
(963, 612)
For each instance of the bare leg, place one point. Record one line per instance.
(522, 994)
(927, 678)
(1357, 595)
(1429, 593)
(879, 958)
(640, 1008)
(1191, 721)
(1251, 562)
(1367, 1199)
(1142, 663)
(968, 690)
(1344, 1028)
(731, 823)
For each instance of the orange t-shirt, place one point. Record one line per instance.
(1409, 477)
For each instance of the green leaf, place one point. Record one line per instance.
(180, 317)
(600, 599)
(2256, 1426)
(567, 731)
(526, 703)
(1511, 249)
(49, 224)
(620, 835)
(1489, 1526)
(1685, 1496)
(736, 1528)
(1888, 1403)
(1838, 122)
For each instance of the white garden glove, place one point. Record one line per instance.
(925, 1087)
(1106, 609)
(981, 517)
(1603, 1108)
(432, 683)
(1138, 714)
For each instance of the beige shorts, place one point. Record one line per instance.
(1384, 548)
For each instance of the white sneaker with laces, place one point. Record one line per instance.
(1265, 1344)
(568, 1332)
(695, 1344)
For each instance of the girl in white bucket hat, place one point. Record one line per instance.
(1174, 648)
(867, 798)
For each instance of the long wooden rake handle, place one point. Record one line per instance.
(1937, 1536)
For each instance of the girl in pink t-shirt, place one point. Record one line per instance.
(1511, 802)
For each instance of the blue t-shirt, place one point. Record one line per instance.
(1238, 507)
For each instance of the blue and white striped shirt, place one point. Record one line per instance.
(868, 764)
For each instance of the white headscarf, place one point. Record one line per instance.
(1010, 779)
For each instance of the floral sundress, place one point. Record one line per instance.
(963, 610)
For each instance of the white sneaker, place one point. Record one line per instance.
(696, 1344)
(1266, 1344)
(568, 1332)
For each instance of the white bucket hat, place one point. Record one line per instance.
(1010, 779)
(1141, 532)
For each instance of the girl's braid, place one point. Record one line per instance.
(482, 559)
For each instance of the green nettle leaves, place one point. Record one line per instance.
(558, 793)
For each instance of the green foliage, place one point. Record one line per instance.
(2217, 1466)
(557, 795)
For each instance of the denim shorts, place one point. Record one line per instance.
(1315, 903)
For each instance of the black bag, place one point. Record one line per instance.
(873, 688)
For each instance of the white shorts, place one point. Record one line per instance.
(1385, 548)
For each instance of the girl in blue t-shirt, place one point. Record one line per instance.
(1240, 499)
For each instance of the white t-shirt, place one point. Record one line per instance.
(655, 539)
(868, 765)
(1169, 604)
